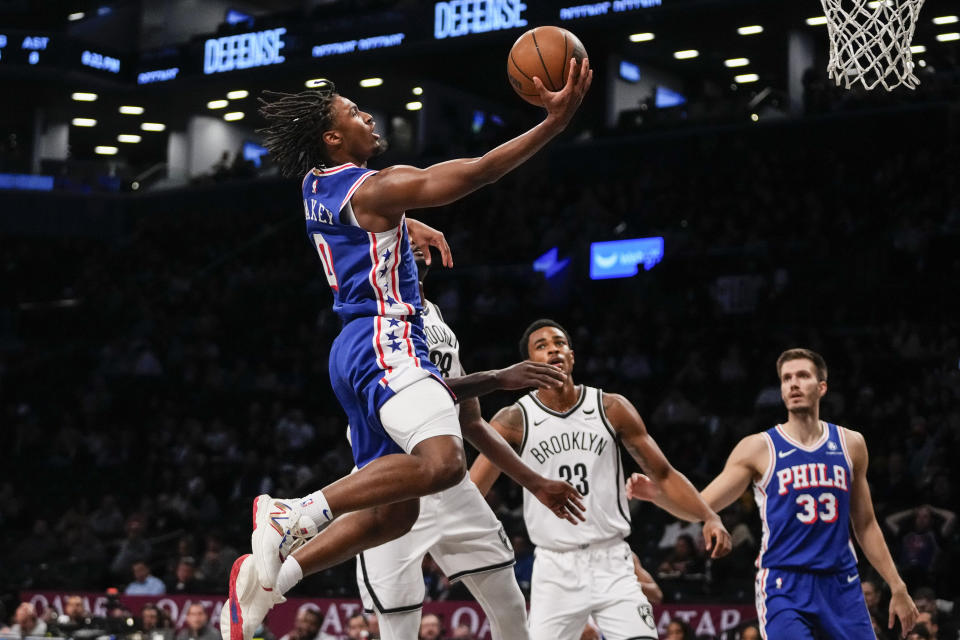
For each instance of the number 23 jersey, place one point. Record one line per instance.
(579, 447)
(804, 503)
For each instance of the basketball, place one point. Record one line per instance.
(543, 52)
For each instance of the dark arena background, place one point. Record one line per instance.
(165, 328)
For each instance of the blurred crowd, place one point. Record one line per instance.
(151, 385)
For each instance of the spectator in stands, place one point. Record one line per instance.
(920, 544)
(431, 627)
(358, 628)
(750, 632)
(682, 561)
(437, 584)
(133, 547)
(929, 620)
(197, 626)
(38, 547)
(217, 560)
(144, 583)
(463, 632)
(185, 579)
(155, 623)
(26, 622)
(679, 630)
(373, 623)
(306, 626)
(871, 595)
(106, 520)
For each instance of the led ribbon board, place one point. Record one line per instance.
(243, 51)
(462, 17)
(620, 258)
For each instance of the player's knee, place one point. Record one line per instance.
(396, 519)
(448, 470)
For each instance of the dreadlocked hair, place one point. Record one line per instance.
(297, 122)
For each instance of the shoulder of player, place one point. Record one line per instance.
(620, 411)
(509, 421)
(855, 442)
(752, 450)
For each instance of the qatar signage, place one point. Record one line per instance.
(462, 17)
(243, 51)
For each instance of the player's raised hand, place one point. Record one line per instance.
(642, 487)
(716, 538)
(425, 236)
(561, 105)
(903, 607)
(530, 375)
(561, 498)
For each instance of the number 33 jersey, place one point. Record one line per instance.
(579, 447)
(804, 503)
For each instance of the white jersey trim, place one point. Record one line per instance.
(824, 436)
(616, 443)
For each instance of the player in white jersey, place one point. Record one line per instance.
(456, 526)
(573, 433)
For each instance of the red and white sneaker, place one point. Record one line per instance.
(249, 602)
(278, 529)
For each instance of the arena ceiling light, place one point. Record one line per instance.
(817, 21)
(918, 48)
(131, 110)
(233, 116)
(750, 30)
(84, 122)
(129, 138)
(686, 54)
(371, 82)
(73, 17)
(239, 94)
(417, 91)
(217, 104)
(736, 62)
(314, 83)
(746, 77)
(416, 105)
(81, 96)
(945, 19)
(641, 37)
(948, 37)
(105, 150)
(153, 126)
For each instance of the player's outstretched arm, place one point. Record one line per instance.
(522, 375)
(383, 198)
(870, 537)
(677, 492)
(743, 465)
(560, 497)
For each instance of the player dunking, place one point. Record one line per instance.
(405, 432)
(810, 482)
(457, 526)
(574, 433)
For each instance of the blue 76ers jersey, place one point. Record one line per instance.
(370, 274)
(804, 503)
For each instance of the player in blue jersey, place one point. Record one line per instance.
(809, 479)
(404, 427)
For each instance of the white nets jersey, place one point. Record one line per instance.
(441, 341)
(579, 447)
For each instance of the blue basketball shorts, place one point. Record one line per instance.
(371, 360)
(798, 605)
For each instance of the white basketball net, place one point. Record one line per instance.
(870, 42)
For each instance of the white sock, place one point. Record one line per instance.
(290, 574)
(316, 507)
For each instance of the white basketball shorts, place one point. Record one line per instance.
(570, 586)
(456, 527)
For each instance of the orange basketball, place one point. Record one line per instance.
(543, 52)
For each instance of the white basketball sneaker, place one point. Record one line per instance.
(278, 529)
(249, 601)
